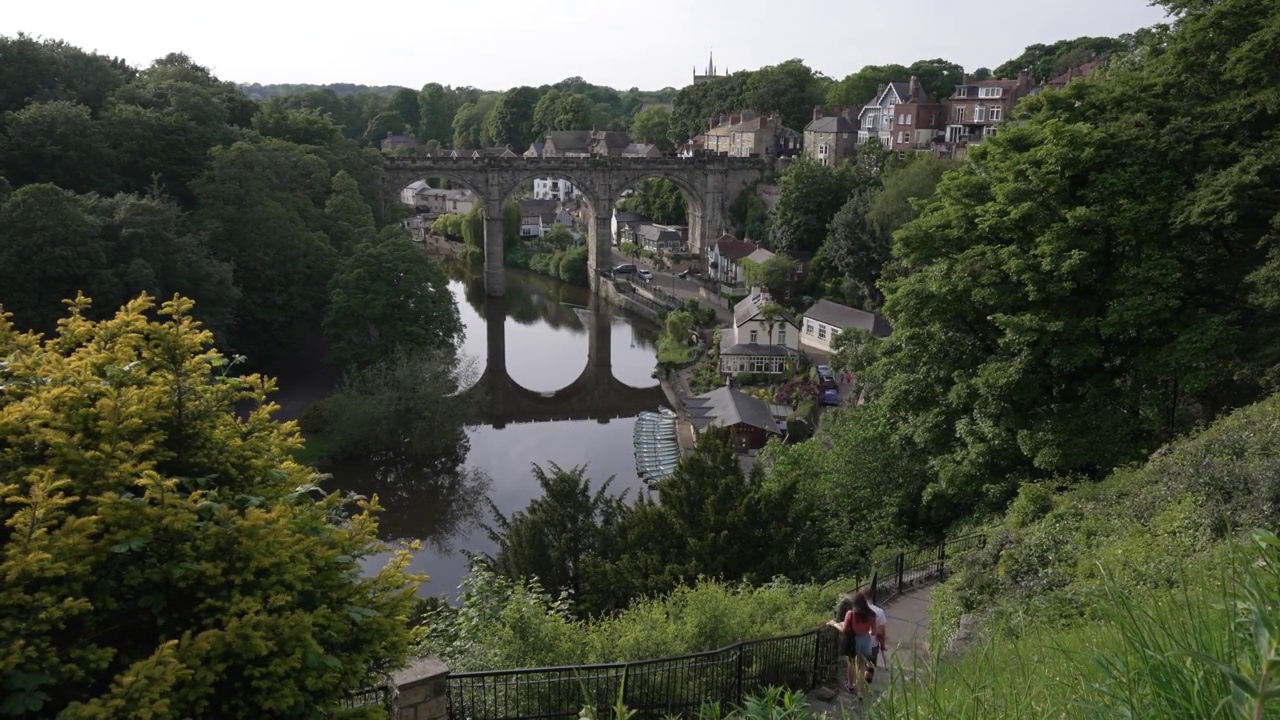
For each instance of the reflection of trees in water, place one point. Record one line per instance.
(399, 426)
(429, 498)
(531, 298)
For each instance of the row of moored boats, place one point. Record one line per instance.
(657, 446)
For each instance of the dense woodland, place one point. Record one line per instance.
(1091, 285)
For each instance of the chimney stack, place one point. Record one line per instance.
(914, 89)
(1024, 77)
(817, 112)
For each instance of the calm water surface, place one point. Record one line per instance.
(546, 336)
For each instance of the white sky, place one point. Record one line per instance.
(495, 44)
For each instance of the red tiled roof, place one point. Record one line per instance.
(731, 247)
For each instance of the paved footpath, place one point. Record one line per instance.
(908, 633)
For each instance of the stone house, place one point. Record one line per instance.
(658, 238)
(755, 344)
(585, 143)
(502, 152)
(393, 144)
(826, 319)
(553, 188)
(535, 151)
(646, 150)
(537, 217)
(828, 139)
(1079, 71)
(724, 261)
(749, 419)
(747, 134)
(623, 223)
(978, 107)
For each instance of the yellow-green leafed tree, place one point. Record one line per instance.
(161, 556)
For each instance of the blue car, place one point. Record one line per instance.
(830, 397)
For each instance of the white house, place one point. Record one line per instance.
(623, 223)
(537, 217)
(826, 319)
(409, 195)
(552, 188)
(724, 261)
(755, 343)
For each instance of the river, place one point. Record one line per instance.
(550, 344)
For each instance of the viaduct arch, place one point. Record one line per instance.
(595, 395)
(710, 184)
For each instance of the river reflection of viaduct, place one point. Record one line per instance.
(595, 395)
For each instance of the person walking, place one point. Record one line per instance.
(880, 642)
(859, 628)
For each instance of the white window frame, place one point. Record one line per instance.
(959, 114)
(753, 337)
(962, 91)
(782, 336)
(989, 131)
(995, 113)
(808, 327)
(822, 331)
(990, 92)
(980, 113)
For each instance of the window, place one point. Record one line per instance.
(782, 336)
(980, 113)
(808, 328)
(753, 336)
(902, 155)
(988, 131)
(822, 332)
(960, 114)
(962, 91)
(994, 114)
(990, 92)
(758, 364)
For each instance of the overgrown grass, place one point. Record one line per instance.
(505, 624)
(1206, 650)
(674, 352)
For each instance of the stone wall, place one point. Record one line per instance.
(423, 691)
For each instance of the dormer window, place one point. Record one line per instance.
(962, 91)
(990, 92)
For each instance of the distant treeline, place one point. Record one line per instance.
(258, 91)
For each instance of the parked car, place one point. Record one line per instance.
(645, 275)
(830, 397)
(826, 381)
(624, 269)
(824, 370)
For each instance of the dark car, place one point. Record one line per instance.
(830, 397)
(826, 382)
(624, 269)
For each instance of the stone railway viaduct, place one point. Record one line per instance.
(709, 183)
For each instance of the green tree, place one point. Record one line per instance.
(435, 119)
(790, 88)
(511, 122)
(466, 127)
(388, 295)
(1048, 61)
(659, 200)
(573, 266)
(156, 527)
(269, 190)
(50, 249)
(304, 127)
(556, 110)
(774, 275)
(511, 222)
(405, 103)
(559, 236)
(42, 70)
(348, 217)
(809, 194)
(749, 215)
(859, 88)
(383, 125)
(554, 539)
(653, 125)
(56, 142)
(981, 73)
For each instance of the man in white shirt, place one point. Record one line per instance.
(880, 640)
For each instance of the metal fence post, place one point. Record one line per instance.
(875, 580)
(901, 560)
(739, 673)
(942, 559)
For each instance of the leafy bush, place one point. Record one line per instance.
(1183, 503)
(1205, 649)
(502, 623)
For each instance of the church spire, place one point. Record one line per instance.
(711, 63)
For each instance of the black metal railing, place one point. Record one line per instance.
(653, 688)
(679, 685)
(907, 570)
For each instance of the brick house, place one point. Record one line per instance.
(724, 262)
(749, 419)
(903, 116)
(1079, 71)
(977, 107)
(829, 139)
